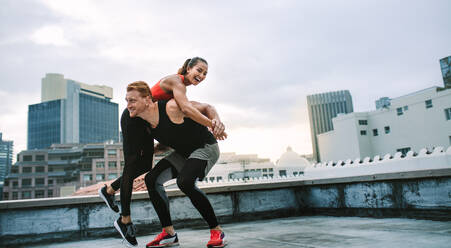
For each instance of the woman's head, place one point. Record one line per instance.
(195, 70)
(138, 97)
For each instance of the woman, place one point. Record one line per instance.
(195, 152)
(137, 141)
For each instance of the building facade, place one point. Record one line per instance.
(445, 66)
(6, 159)
(322, 108)
(62, 169)
(72, 112)
(418, 120)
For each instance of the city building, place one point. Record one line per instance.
(6, 158)
(72, 112)
(322, 108)
(62, 169)
(445, 66)
(247, 166)
(418, 120)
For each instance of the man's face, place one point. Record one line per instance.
(136, 104)
(197, 73)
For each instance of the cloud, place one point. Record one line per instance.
(264, 57)
(50, 35)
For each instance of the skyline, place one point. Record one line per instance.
(264, 57)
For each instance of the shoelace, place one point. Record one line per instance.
(131, 230)
(160, 236)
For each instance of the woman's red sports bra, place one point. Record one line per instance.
(159, 94)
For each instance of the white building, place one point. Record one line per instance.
(418, 120)
(232, 166)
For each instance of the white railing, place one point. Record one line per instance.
(423, 160)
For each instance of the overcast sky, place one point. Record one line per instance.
(264, 57)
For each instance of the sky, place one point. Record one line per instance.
(264, 57)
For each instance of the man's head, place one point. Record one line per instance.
(138, 97)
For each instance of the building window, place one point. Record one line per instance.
(218, 178)
(399, 111)
(14, 170)
(428, 103)
(26, 194)
(39, 169)
(15, 195)
(363, 122)
(87, 178)
(403, 150)
(271, 175)
(295, 173)
(406, 108)
(122, 163)
(26, 182)
(26, 169)
(100, 177)
(50, 193)
(50, 182)
(112, 176)
(15, 184)
(40, 157)
(450, 140)
(375, 133)
(112, 164)
(270, 169)
(212, 179)
(448, 114)
(5, 196)
(100, 164)
(27, 158)
(387, 129)
(6, 183)
(39, 194)
(111, 153)
(362, 132)
(39, 181)
(282, 173)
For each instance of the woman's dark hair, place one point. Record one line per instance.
(190, 63)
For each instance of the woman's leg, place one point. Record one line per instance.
(130, 173)
(186, 182)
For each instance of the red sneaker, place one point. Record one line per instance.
(216, 239)
(164, 240)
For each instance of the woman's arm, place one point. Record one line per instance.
(179, 92)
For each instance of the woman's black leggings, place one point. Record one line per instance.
(163, 172)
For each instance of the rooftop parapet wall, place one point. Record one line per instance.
(424, 192)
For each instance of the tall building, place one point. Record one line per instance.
(412, 122)
(72, 112)
(6, 158)
(445, 65)
(322, 108)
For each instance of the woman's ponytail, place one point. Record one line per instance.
(182, 71)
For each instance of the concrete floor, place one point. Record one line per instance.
(313, 231)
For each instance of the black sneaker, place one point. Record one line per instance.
(127, 231)
(108, 199)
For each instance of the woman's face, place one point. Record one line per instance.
(136, 104)
(197, 73)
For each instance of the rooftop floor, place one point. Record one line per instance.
(310, 231)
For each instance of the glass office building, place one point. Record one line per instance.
(72, 112)
(322, 108)
(44, 124)
(445, 66)
(6, 159)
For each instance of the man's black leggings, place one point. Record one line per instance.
(163, 172)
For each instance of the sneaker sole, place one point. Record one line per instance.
(165, 245)
(123, 237)
(104, 199)
(218, 246)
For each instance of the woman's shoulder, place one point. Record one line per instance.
(171, 79)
